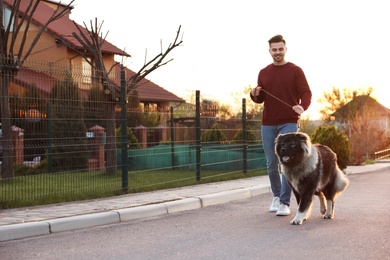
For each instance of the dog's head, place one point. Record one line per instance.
(292, 148)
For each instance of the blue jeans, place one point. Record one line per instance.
(279, 188)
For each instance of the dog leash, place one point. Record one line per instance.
(284, 102)
(275, 97)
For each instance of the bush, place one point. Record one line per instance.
(70, 146)
(132, 141)
(335, 140)
(213, 135)
(25, 170)
(250, 136)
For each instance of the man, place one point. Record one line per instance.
(283, 88)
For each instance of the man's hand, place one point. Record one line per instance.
(298, 109)
(256, 91)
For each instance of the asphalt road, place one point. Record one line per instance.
(237, 230)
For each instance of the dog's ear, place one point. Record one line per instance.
(304, 137)
(306, 143)
(277, 138)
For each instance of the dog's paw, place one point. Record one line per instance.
(296, 222)
(298, 219)
(328, 216)
(322, 210)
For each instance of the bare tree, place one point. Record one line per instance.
(367, 135)
(158, 61)
(14, 50)
(92, 43)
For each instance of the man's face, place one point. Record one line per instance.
(278, 50)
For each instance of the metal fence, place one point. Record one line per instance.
(383, 154)
(63, 146)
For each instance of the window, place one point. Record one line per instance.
(7, 17)
(86, 70)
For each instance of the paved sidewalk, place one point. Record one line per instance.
(47, 219)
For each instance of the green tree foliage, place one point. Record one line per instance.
(213, 135)
(93, 109)
(133, 114)
(150, 119)
(70, 150)
(335, 140)
(148, 116)
(132, 141)
(250, 135)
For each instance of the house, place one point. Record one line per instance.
(150, 94)
(364, 106)
(55, 55)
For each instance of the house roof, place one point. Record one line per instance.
(358, 104)
(63, 27)
(147, 90)
(42, 81)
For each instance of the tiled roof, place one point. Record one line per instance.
(63, 27)
(147, 90)
(359, 103)
(42, 81)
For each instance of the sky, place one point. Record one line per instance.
(338, 43)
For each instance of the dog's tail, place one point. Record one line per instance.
(341, 182)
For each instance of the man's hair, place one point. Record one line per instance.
(276, 38)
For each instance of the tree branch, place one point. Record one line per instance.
(57, 14)
(154, 63)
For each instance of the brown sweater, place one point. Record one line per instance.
(288, 83)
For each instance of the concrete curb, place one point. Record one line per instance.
(147, 211)
(32, 229)
(25, 230)
(368, 171)
(18, 231)
(224, 197)
(83, 221)
(183, 205)
(259, 190)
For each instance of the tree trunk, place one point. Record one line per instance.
(111, 149)
(7, 169)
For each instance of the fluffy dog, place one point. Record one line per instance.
(310, 169)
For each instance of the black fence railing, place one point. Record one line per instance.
(68, 141)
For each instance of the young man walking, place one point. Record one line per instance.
(283, 88)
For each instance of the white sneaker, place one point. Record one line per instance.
(274, 205)
(283, 210)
